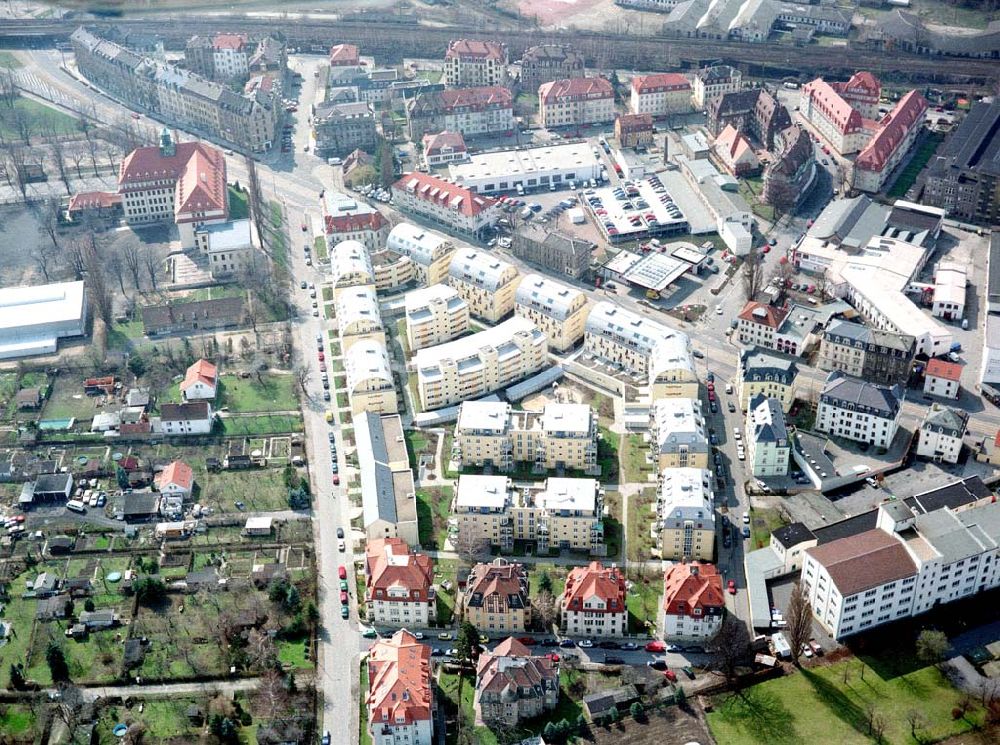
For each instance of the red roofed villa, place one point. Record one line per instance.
(201, 382)
(593, 603)
(444, 147)
(177, 479)
(399, 699)
(445, 203)
(943, 379)
(399, 585)
(693, 602)
(660, 94)
(574, 101)
(344, 55)
(758, 324)
(735, 152)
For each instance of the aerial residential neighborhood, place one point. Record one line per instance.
(510, 373)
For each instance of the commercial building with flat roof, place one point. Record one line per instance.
(493, 434)
(654, 354)
(558, 310)
(556, 513)
(388, 501)
(479, 364)
(32, 319)
(434, 315)
(532, 168)
(486, 282)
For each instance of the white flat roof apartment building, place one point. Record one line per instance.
(685, 524)
(531, 168)
(656, 355)
(574, 101)
(558, 512)
(479, 364)
(677, 433)
(492, 433)
(909, 563)
(557, 309)
(32, 319)
(767, 438)
(370, 385)
(660, 94)
(487, 283)
(434, 315)
(859, 410)
(430, 252)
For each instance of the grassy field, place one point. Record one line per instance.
(908, 176)
(640, 517)
(164, 720)
(260, 490)
(239, 204)
(272, 393)
(43, 119)
(97, 658)
(16, 719)
(433, 511)
(265, 424)
(319, 246)
(643, 602)
(67, 399)
(635, 452)
(817, 705)
(365, 738)
(608, 454)
(763, 522)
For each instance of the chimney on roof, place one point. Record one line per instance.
(694, 570)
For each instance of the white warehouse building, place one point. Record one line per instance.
(535, 168)
(32, 319)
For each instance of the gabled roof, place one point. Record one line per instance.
(863, 561)
(843, 116)
(435, 143)
(399, 675)
(391, 563)
(508, 581)
(588, 88)
(203, 372)
(606, 583)
(177, 473)
(428, 188)
(893, 129)
(763, 314)
(947, 370)
(690, 586)
(202, 184)
(658, 82)
(195, 411)
(354, 223)
(229, 41)
(476, 49)
(343, 55)
(843, 389)
(93, 200)
(733, 146)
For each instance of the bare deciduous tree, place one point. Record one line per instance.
(798, 616)
(545, 609)
(731, 647)
(470, 547)
(257, 205)
(130, 255)
(272, 695)
(117, 267)
(752, 273)
(153, 266)
(59, 156)
(97, 286)
(302, 375)
(17, 161)
(917, 721)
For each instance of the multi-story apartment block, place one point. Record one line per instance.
(558, 310)
(548, 62)
(911, 562)
(388, 504)
(942, 433)
(226, 246)
(842, 113)
(754, 112)
(859, 410)
(965, 178)
(491, 433)
(556, 513)
(358, 316)
(350, 266)
(340, 128)
(685, 524)
(496, 597)
(399, 700)
(430, 252)
(470, 62)
(487, 283)
(512, 685)
(467, 111)
(557, 252)
(399, 585)
(370, 229)
(677, 436)
(184, 183)
(634, 130)
(230, 56)
(758, 323)
(593, 602)
(693, 603)
(447, 204)
(369, 378)
(654, 354)
(767, 373)
(443, 148)
(879, 356)
(479, 364)
(768, 446)
(575, 101)
(660, 94)
(892, 141)
(248, 121)
(714, 82)
(434, 315)
(791, 172)
(943, 379)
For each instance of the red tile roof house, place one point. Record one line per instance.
(344, 55)
(513, 685)
(399, 585)
(758, 324)
(100, 204)
(660, 94)
(201, 382)
(399, 699)
(181, 182)
(444, 147)
(892, 141)
(370, 229)
(593, 602)
(943, 379)
(176, 484)
(693, 602)
(445, 203)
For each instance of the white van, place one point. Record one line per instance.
(76, 506)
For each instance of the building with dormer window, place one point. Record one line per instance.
(693, 603)
(593, 602)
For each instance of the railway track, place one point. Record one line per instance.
(394, 41)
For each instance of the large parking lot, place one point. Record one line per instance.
(635, 210)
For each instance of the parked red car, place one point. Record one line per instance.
(731, 586)
(527, 641)
(342, 571)
(656, 646)
(343, 597)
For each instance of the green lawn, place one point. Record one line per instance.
(928, 146)
(433, 511)
(319, 246)
(43, 119)
(164, 720)
(634, 459)
(608, 454)
(293, 654)
(448, 685)
(643, 603)
(270, 393)
(239, 203)
(816, 705)
(365, 736)
(265, 424)
(763, 522)
(640, 517)
(16, 719)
